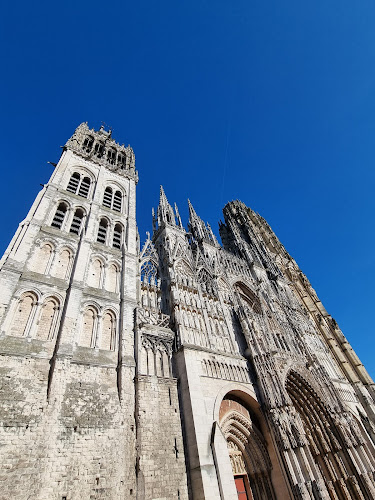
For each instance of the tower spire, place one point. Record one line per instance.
(198, 228)
(165, 211)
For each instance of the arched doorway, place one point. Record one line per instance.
(251, 464)
(335, 443)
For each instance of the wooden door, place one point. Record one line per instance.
(241, 488)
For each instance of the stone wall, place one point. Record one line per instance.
(161, 463)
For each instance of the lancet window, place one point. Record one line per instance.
(99, 149)
(79, 185)
(117, 236)
(76, 224)
(111, 156)
(59, 216)
(112, 199)
(102, 231)
(88, 143)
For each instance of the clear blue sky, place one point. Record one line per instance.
(272, 103)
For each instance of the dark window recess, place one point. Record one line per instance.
(107, 198)
(121, 161)
(111, 156)
(99, 149)
(88, 143)
(117, 201)
(84, 187)
(59, 216)
(102, 231)
(77, 221)
(117, 233)
(74, 183)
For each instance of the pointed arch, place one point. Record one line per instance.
(247, 448)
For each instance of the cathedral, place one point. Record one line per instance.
(181, 369)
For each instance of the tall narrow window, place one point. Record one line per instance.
(117, 199)
(77, 221)
(88, 328)
(74, 183)
(47, 320)
(95, 274)
(117, 236)
(102, 231)
(121, 161)
(62, 264)
(112, 278)
(88, 143)
(84, 187)
(108, 331)
(99, 149)
(107, 198)
(41, 259)
(111, 156)
(23, 314)
(59, 215)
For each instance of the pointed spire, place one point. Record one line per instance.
(196, 224)
(178, 215)
(165, 211)
(199, 229)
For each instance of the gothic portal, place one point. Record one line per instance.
(181, 369)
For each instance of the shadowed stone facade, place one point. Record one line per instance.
(179, 370)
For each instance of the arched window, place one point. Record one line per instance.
(84, 187)
(42, 258)
(24, 314)
(88, 328)
(102, 231)
(59, 215)
(121, 161)
(107, 198)
(112, 278)
(117, 201)
(88, 143)
(108, 331)
(95, 274)
(79, 186)
(74, 183)
(99, 149)
(111, 156)
(62, 264)
(77, 221)
(48, 319)
(112, 200)
(117, 236)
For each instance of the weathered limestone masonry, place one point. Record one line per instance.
(68, 289)
(182, 370)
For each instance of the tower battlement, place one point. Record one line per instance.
(99, 147)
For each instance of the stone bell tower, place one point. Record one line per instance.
(67, 298)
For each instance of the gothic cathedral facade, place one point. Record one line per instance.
(180, 370)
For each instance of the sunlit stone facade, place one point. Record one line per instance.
(179, 370)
